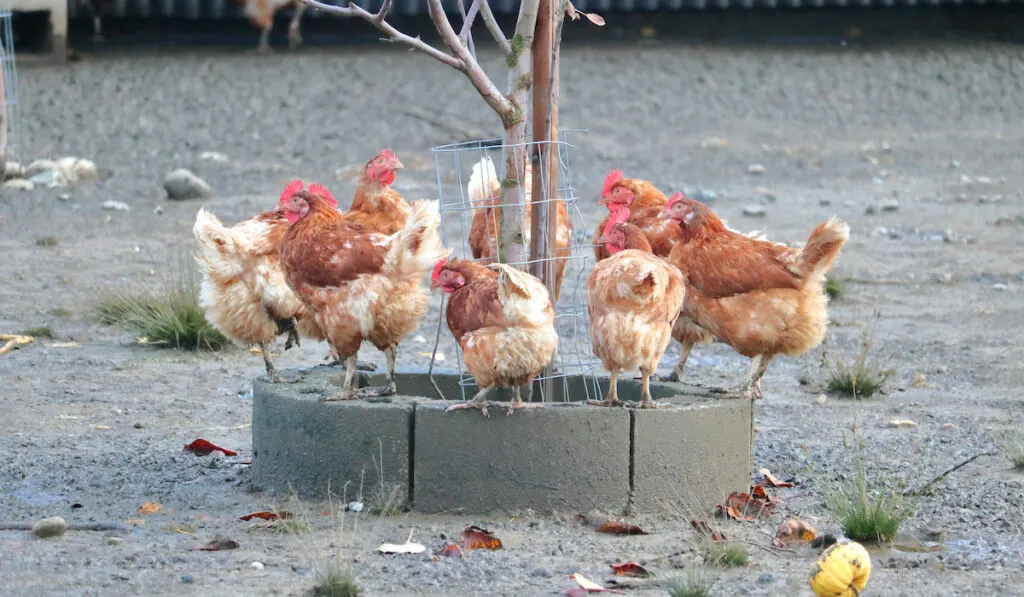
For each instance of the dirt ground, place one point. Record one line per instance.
(92, 431)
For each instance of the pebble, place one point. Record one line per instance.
(186, 579)
(821, 399)
(112, 205)
(50, 527)
(20, 184)
(76, 169)
(257, 565)
(114, 540)
(891, 205)
(999, 287)
(40, 166)
(983, 180)
(870, 210)
(954, 164)
(214, 156)
(713, 142)
(877, 181)
(355, 507)
(705, 195)
(158, 210)
(756, 169)
(754, 211)
(901, 423)
(766, 578)
(14, 170)
(948, 427)
(824, 202)
(49, 178)
(542, 573)
(182, 184)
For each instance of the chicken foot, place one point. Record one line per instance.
(517, 400)
(390, 388)
(677, 372)
(478, 401)
(758, 367)
(349, 391)
(271, 370)
(289, 325)
(645, 393)
(612, 399)
(294, 35)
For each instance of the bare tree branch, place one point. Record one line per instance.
(487, 89)
(378, 21)
(492, 26)
(467, 22)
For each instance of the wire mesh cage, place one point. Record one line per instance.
(469, 178)
(8, 90)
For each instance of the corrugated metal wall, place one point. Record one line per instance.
(228, 9)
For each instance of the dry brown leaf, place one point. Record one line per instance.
(704, 528)
(740, 506)
(591, 586)
(631, 569)
(449, 550)
(474, 537)
(617, 527)
(267, 516)
(770, 480)
(150, 508)
(219, 544)
(574, 15)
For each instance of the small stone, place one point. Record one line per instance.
(213, 156)
(824, 202)
(50, 527)
(885, 146)
(65, 197)
(999, 287)
(891, 205)
(355, 507)
(419, 339)
(186, 579)
(112, 205)
(50, 178)
(257, 565)
(948, 427)
(948, 236)
(965, 179)
(19, 184)
(870, 210)
(158, 210)
(14, 170)
(954, 164)
(877, 181)
(754, 211)
(114, 540)
(705, 195)
(40, 166)
(766, 578)
(542, 573)
(983, 180)
(821, 399)
(182, 184)
(713, 142)
(902, 423)
(756, 169)
(76, 169)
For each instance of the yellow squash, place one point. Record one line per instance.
(842, 571)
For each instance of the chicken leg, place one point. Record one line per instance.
(677, 371)
(612, 399)
(271, 370)
(758, 367)
(294, 35)
(289, 325)
(348, 391)
(478, 401)
(517, 401)
(97, 27)
(390, 388)
(264, 46)
(645, 393)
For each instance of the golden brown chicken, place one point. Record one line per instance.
(760, 298)
(376, 205)
(359, 284)
(503, 320)
(634, 299)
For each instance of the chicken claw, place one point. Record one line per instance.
(609, 402)
(349, 394)
(468, 405)
(517, 402)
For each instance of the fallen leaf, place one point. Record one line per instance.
(150, 508)
(795, 530)
(407, 547)
(594, 18)
(770, 480)
(183, 531)
(102, 427)
(267, 516)
(474, 537)
(704, 528)
(12, 341)
(450, 550)
(740, 506)
(631, 569)
(201, 447)
(591, 586)
(620, 528)
(219, 544)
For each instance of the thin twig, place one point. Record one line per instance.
(433, 355)
(942, 476)
(466, 34)
(494, 28)
(379, 21)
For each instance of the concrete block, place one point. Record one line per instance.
(57, 14)
(691, 457)
(308, 445)
(564, 457)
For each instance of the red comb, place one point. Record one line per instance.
(437, 268)
(387, 153)
(613, 178)
(674, 199)
(319, 189)
(293, 187)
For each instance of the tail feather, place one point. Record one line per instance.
(217, 254)
(483, 184)
(822, 249)
(417, 246)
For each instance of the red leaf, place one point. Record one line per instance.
(267, 516)
(474, 537)
(620, 528)
(630, 569)
(705, 528)
(450, 550)
(219, 544)
(201, 447)
(740, 506)
(770, 480)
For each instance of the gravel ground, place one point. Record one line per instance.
(936, 128)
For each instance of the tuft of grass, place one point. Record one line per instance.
(835, 287)
(863, 377)
(335, 582)
(869, 514)
(47, 241)
(38, 332)
(385, 500)
(169, 315)
(726, 554)
(696, 584)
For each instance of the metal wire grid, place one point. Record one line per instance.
(9, 122)
(453, 164)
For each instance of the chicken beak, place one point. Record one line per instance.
(602, 201)
(397, 164)
(602, 241)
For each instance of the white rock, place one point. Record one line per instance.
(891, 205)
(213, 156)
(902, 423)
(182, 184)
(40, 166)
(355, 507)
(14, 170)
(821, 399)
(756, 169)
(158, 210)
(112, 205)
(256, 565)
(50, 178)
(76, 169)
(50, 527)
(114, 540)
(20, 184)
